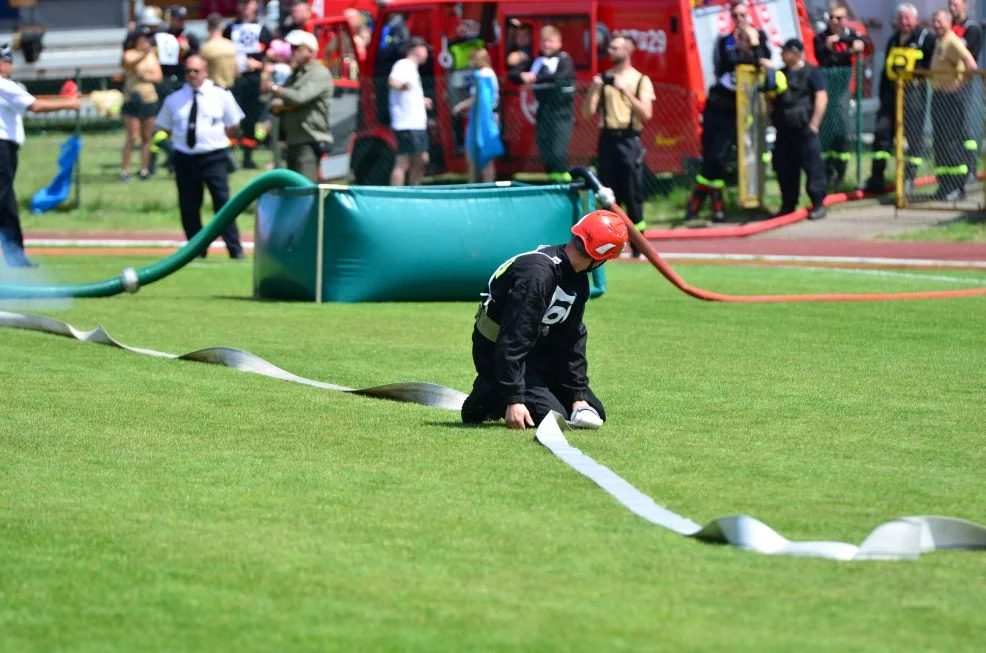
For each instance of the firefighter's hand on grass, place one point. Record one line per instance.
(518, 417)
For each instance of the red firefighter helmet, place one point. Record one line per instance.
(603, 233)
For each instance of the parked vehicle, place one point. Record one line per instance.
(675, 43)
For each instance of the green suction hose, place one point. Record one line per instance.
(131, 280)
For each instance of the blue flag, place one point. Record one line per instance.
(483, 138)
(56, 192)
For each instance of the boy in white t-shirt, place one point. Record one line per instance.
(409, 115)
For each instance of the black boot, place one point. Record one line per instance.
(718, 206)
(876, 183)
(248, 163)
(695, 204)
(13, 249)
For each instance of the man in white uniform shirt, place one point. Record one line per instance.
(14, 102)
(201, 118)
(409, 115)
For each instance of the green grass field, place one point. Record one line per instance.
(149, 504)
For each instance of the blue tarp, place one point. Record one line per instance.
(58, 190)
(483, 138)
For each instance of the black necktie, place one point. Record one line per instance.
(192, 116)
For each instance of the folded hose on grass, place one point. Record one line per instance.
(604, 197)
(131, 280)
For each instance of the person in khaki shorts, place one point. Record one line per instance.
(624, 98)
(303, 104)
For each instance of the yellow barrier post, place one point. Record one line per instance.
(901, 196)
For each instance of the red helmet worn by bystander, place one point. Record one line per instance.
(603, 233)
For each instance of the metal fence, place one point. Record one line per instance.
(671, 139)
(938, 134)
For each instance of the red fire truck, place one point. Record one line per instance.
(675, 41)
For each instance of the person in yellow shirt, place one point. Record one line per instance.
(624, 99)
(949, 82)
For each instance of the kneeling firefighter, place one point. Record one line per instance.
(719, 120)
(528, 343)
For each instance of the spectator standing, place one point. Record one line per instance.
(409, 115)
(551, 77)
(15, 101)
(837, 49)
(624, 98)
(251, 40)
(175, 45)
(300, 13)
(482, 132)
(201, 117)
(949, 66)
(910, 48)
(303, 104)
(742, 47)
(142, 74)
(220, 54)
(797, 115)
(971, 34)
(528, 343)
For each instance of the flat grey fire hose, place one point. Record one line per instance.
(414, 392)
(907, 537)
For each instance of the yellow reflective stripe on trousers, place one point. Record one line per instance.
(712, 183)
(952, 170)
(881, 156)
(970, 145)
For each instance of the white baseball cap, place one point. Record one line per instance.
(298, 37)
(149, 17)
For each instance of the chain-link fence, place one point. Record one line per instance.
(841, 130)
(938, 138)
(544, 139)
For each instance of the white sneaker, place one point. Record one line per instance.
(585, 418)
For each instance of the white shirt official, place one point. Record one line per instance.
(14, 103)
(217, 111)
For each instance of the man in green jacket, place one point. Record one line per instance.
(303, 105)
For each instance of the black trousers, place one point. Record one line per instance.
(246, 92)
(948, 126)
(192, 172)
(553, 131)
(11, 238)
(796, 150)
(718, 133)
(836, 127)
(884, 141)
(621, 167)
(543, 393)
